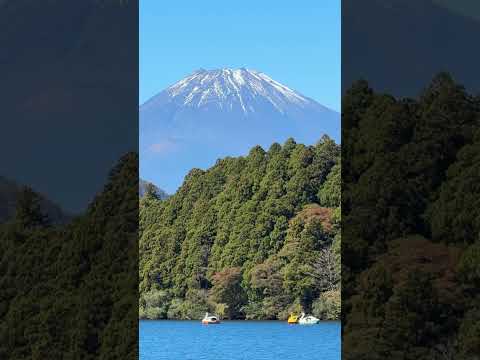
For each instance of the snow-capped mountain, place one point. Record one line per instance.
(241, 90)
(223, 112)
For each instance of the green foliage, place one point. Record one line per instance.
(68, 291)
(29, 214)
(328, 305)
(246, 231)
(469, 335)
(330, 193)
(192, 307)
(410, 184)
(154, 304)
(455, 216)
(469, 267)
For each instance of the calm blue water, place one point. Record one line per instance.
(238, 340)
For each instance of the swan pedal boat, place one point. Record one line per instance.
(210, 319)
(308, 320)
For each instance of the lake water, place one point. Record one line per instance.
(238, 340)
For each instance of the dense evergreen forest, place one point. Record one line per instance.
(253, 237)
(69, 291)
(411, 224)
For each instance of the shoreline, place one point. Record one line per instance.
(237, 320)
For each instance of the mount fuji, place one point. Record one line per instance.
(211, 114)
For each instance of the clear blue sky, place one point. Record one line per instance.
(296, 43)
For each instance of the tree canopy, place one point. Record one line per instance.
(410, 220)
(244, 237)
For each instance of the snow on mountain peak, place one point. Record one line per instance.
(233, 88)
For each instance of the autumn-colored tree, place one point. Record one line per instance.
(227, 289)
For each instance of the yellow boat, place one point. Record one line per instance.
(292, 319)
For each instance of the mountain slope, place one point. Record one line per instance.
(223, 112)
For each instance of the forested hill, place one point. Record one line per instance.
(68, 290)
(411, 222)
(252, 237)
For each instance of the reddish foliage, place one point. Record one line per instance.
(315, 211)
(417, 253)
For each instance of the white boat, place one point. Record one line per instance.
(308, 320)
(210, 319)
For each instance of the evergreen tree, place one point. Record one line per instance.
(29, 213)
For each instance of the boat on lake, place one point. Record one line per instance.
(210, 319)
(308, 320)
(292, 319)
